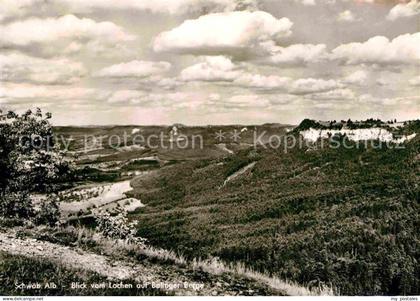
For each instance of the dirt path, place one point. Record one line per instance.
(239, 172)
(223, 147)
(185, 282)
(74, 258)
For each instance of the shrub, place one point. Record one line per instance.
(49, 213)
(15, 204)
(116, 227)
(29, 161)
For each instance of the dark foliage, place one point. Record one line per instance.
(344, 217)
(29, 161)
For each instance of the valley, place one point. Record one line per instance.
(308, 221)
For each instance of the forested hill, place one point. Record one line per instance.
(348, 218)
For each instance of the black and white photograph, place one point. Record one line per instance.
(210, 148)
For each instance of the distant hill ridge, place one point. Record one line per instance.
(306, 124)
(370, 129)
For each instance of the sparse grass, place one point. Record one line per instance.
(20, 269)
(215, 266)
(212, 266)
(92, 241)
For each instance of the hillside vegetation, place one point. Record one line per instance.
(347, 218)
(15, 269)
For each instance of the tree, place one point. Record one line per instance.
(350, 124)
(29, 161)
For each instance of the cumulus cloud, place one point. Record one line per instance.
(404, 49)
(170, 100)
(241, 102)
(259, 81)
(14, 92)
(307, 2)
(297, 54)
(131, 96)
(243, 33)
(338, 94)
(159, 6)
(346, 16)
(356, 78)
(35, 30)
(313, 85)
(134, 69)
(247, 101)
(217, 68)
(166, 83)
(330, 2)
(222, 69)
(415, 81)
(22, 68)
(70, 30)
(233, 49)
(404, 10)
(393, 101)
(13, 8)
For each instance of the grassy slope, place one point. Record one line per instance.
(345, 217)
(19, 269)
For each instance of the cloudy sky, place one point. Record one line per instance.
(210, 61)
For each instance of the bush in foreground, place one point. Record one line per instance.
(29, 162)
